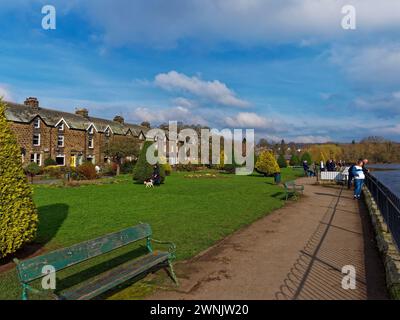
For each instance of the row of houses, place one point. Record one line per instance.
(68, 138)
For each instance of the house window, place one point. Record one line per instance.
(108, 133)
(60, 160)
(91, 143)
(90, 158)
(61, 127)
(91, 130)
(60, 141)
(36, 139)
(36, 123)
(37, 158)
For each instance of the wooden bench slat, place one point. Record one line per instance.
(31, 269)
(110, 279)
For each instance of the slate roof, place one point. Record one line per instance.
(25, 114)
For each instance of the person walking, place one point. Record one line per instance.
(306, 168)
(350, 176)
(359, 177)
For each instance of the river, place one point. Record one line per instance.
(388, 174)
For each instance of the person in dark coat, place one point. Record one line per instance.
(351, 176)
(156, 175)
(306, 168)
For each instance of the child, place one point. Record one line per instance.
(359, 177)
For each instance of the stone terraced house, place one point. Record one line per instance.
(68, 138)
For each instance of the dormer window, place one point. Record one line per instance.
(61, 126)
(36, 123)
(108, 132)
(91, 130)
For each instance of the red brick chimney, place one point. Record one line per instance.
(119, 119)
(82, 112)
(32, 102)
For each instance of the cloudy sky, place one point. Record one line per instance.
(286, 68)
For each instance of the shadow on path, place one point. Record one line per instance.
(317, 272)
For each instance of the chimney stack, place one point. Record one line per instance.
(119, 119)
(32, 102)
(82, 112)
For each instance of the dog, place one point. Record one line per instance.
(149, 183)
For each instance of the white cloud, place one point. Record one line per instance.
(311, 139)
(213, 91)
(186, 103)
(159, 115)
(376, 66)
(247, 120)
(5, 93)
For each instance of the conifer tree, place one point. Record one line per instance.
(266, 163)
(18, 214)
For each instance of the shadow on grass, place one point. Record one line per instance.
(279, 195)
(99, 267)
(51, 218)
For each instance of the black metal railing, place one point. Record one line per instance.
(388, 203)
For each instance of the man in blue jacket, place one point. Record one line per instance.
(359, 177)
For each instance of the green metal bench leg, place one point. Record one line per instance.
(24, 292)
(173, 275)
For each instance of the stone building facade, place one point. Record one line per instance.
(68, 138)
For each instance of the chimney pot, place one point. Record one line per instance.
(82, 112)
(32, 102)
(119, 119)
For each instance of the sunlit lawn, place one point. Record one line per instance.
(192, 212)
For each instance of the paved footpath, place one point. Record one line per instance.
(296, 252)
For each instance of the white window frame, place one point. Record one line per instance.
(36, 123)
(61, 127)
(39, 138)
(61, 156)
(91, 130)
(58, 141)
(91, 142)
(37, 158)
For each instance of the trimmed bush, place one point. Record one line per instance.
(294, 160)
(87, 170)
(18, 214)
(50, 162)
(143, 170)
(108, 170)
(54, 171)
(306, 157)
(162, 173)
(281, 161)
(167, 168)
(266, 163)
(128, 166)
(32, 169)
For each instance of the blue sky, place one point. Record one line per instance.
(285, 68)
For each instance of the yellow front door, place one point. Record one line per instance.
(73, 161)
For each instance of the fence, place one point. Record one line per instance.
(334, 176)
(388, 203)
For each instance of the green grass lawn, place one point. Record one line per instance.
(192, 212)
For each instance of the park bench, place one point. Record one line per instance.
(292, 188)
(32, 269)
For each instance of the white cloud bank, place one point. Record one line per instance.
(212, 91)
(164, 23)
